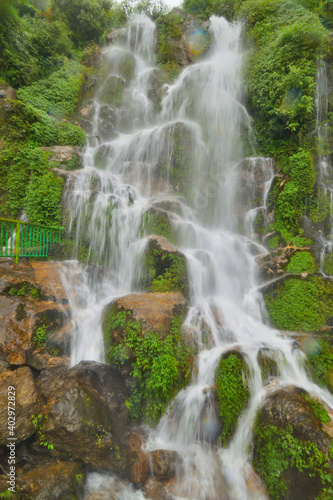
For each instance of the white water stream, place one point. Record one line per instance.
(106, 207)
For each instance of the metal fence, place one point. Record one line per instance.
(22, 239)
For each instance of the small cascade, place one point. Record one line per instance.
(188, 155)
(325, 165)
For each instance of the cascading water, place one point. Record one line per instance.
(324, 163)
(130, 172)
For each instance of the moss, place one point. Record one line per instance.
(232, 393)
(267, 364)
(277, 452)
(112, 92)
(164, 271)
(20, 312)
(318, 409)
(168, 28)
(301, 262)
(320, 363)
(301, 304)
(159, 367)
(328, 264)
(158, 223)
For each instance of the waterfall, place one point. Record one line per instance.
(129, 167)
(324, 163)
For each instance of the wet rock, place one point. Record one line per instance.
(165, 463)
(41, 359)
(7, 92)
(54, 480)
(112, 91)
(155, 490)
(137, 458)
(65, 157)
(166, 267)
(87, 415)
(27, 402)
(31, 296)
(267, 364)
(154, 311)
(103, 155)
(116, 35)
(106, 122)
(290, 416)
(288, 407)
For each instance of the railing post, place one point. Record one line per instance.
(17, 242)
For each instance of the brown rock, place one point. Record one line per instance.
(137, 459)
(27, 402)
(65, 157)
(7, 92)
(165, 463)
(87, 415)
(48, 481)
(287, 406)
(156, 490)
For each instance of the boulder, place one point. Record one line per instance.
(27, 403)
(137, 458)
(106, 122)
(165, 463)
(290, 436)
(86, 413)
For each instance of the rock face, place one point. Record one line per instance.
(54, 480)
(86, 413)
(27, 402)
(33, 304)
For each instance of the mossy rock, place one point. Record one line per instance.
(157, 222)
(112, 91)
(291, 447)
(268, 365)
(142, 338)
(231, 391)
(319, 361)
(122, 63)
(166, 268)
(301, 303)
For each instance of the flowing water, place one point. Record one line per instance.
(130, 169)
(324, 163)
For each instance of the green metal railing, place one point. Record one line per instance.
(22, 239)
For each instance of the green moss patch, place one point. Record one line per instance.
(232, 393)
(301, 304)
(159, 367)
(320, 363)
(301, 262)
(157, 222)
(278, 453)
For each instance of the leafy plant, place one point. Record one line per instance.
(40, 336)
(38, 423)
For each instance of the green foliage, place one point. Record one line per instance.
(158, 224)
(160, 367)
(38, 423)
(87, 19)
(19, 290)
(29, 186)
(58, 94)
(206, 8)
(301, 262)
(299, 241)
(232, 393)
(6, 494)
(320, 363)
(291, 200)
(31, 46)
(165, 272)
(277, 450)
(40, 336)
(280, 74)
(300, 304)
(42, 201)
(274, 242)
(318, 409)
(328, 264)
